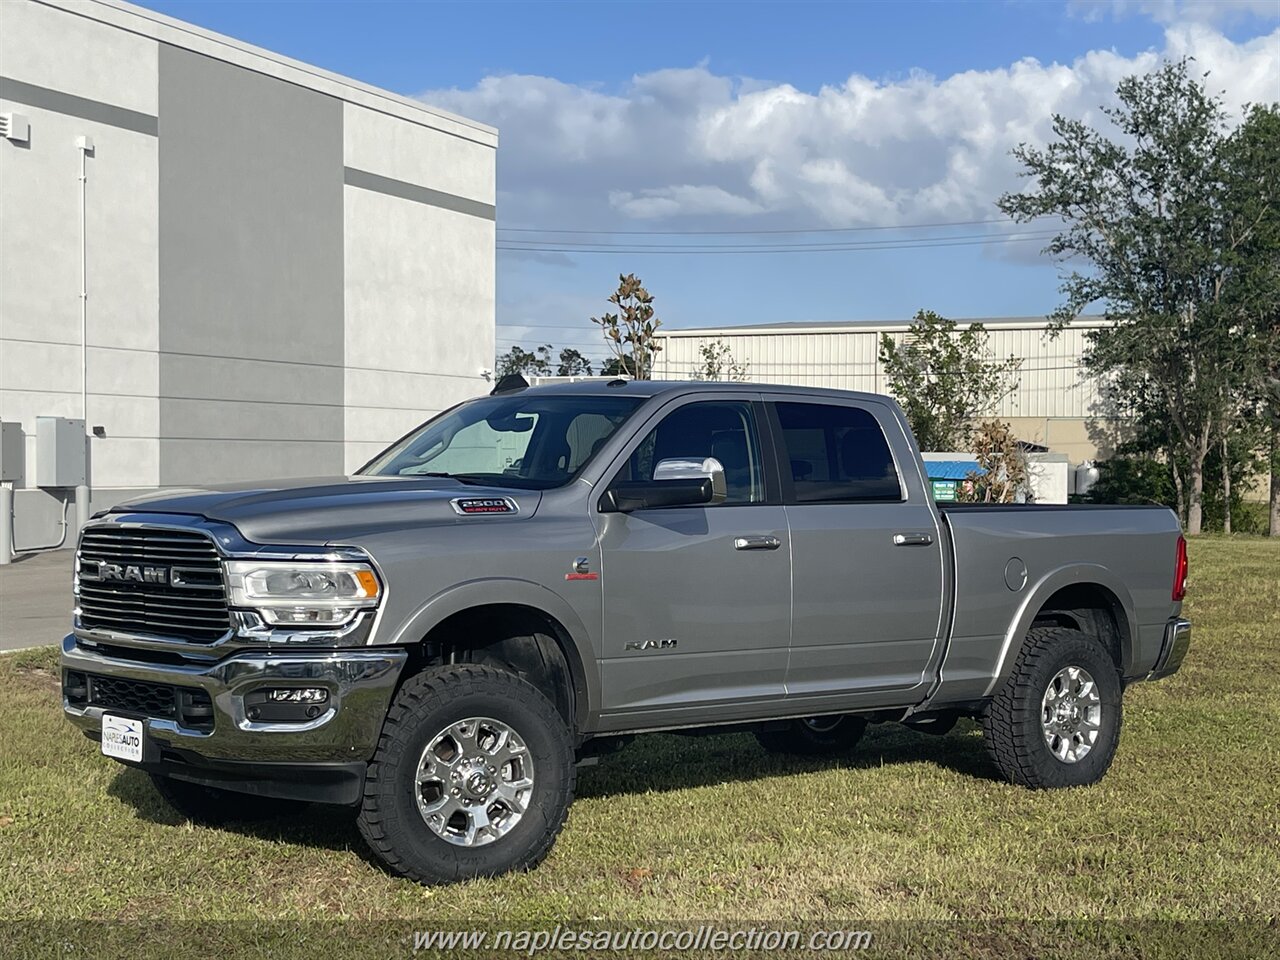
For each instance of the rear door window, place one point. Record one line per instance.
(835, 454)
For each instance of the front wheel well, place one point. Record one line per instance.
(517, 638)
(1093, 610)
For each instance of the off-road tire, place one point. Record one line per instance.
(213, 805)
(389, 819)
(813, 738)
(1012, 728)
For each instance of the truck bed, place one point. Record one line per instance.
(1024, 554)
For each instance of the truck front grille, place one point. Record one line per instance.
(160, 582)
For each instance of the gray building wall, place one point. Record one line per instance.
(286, 269)
(251, 237)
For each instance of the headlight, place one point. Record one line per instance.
(301, 594)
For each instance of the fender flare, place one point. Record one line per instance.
(488, 591)
(1076, 574)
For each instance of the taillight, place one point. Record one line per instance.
(1180, 571)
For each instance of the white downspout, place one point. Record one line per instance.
(85, 145)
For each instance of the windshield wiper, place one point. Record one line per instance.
(474, 479)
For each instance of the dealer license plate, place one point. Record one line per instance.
(122, 738)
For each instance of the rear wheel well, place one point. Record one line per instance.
(513, 637)
(1093, 610)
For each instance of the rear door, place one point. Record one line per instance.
(867, 561)
(697, 599)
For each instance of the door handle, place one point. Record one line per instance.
(912, 539)
(756, 543)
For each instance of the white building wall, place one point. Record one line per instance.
(419, 278)
(1055, 403)
(40, 241)
(1052, 381)
(414, 325)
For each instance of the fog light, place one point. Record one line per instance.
(298, 695)
(286, 704)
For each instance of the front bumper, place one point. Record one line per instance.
(1173, 650)
(228, 747)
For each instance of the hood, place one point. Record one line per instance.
(330, 509)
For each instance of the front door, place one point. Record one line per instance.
(697, 599)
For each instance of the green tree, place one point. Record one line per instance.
(527, 363)
(1152, 215)
(573, 364)
(1134, 479)
(719, 363)
(1252, 163)
(631, 333)
(945, 378)
(616, 367)
(1235, 461)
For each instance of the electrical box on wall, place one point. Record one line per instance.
(15, 127)
(13, 453)
(60, 452)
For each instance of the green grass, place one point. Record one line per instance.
(1173, 854)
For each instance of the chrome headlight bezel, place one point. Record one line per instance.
(303, 593)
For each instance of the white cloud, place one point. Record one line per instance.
(1178, 11)
(693, 149)
(684, 199)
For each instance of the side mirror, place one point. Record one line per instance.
(708, 469)
(675, 483)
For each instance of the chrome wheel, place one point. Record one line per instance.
(474, 781)
(1071, 714)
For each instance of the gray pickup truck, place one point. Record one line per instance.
(532, 577)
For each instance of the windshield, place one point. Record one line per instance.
(526, 441)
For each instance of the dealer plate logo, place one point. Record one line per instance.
(122, 738)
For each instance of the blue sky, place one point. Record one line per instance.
(685, 116)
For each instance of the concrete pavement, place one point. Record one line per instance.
(35, 600)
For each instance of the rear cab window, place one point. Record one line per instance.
(834, 453)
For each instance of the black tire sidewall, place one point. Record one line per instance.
(801, 739)
(430, 857)
(843, 736)
(1081, 652)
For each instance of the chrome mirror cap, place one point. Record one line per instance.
(691, 469)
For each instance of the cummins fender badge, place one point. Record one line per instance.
(475, 506)
(581, 570)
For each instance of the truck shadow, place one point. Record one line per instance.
(656, 762)
(669, 762)
(315, 825)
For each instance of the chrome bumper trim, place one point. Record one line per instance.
(1177, 639)
(360, 684)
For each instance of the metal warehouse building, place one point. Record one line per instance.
(283, 269)
(1056, 404)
